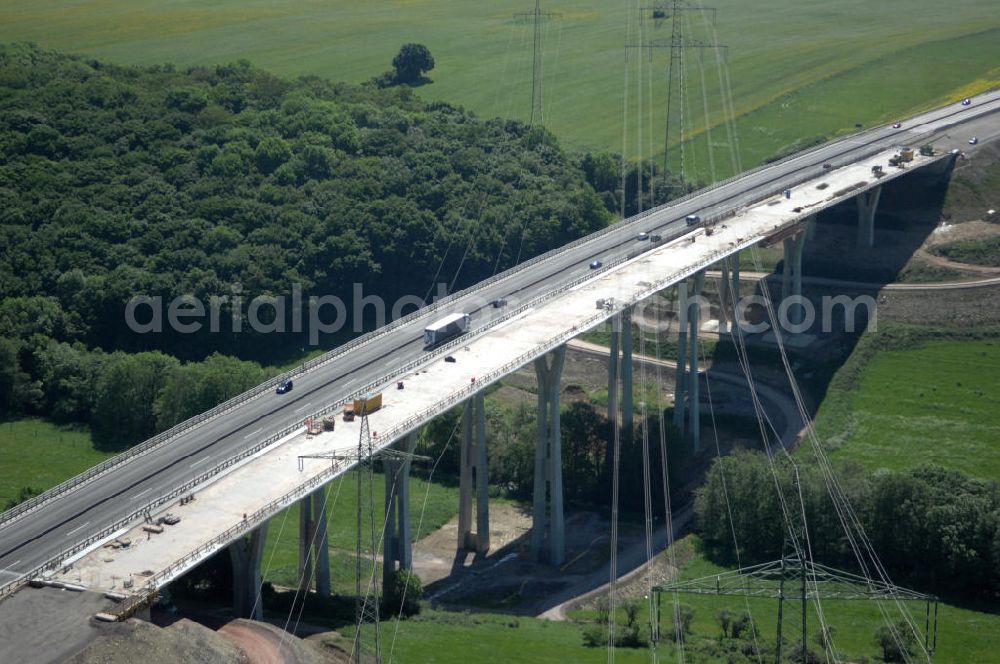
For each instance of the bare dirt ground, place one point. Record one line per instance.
(136, 640)
(263, 643)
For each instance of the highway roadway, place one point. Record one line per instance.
(68, 519)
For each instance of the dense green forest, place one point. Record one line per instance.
(117, 182)
(120, 181)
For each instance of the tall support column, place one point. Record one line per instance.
(614, 354)
(626, 360)
(735, 290)
(680, 380)
(867, 204)
(397, 549)
(791, 273)
(403, 508)
(305, 543)
(391, 469)
(800, 243)
(474, 478)
(724, 298)
(321, 546)
(245, 554)
(548, 532)
(693, 385)
(786, 268)
(314, 554)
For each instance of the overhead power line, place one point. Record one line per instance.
(677, 44)
(799, 579)
(537, 16)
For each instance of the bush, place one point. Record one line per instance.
(683, 615)
(595, 636)
(402, 597)
(896, 641)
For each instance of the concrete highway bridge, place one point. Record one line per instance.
(227, 472)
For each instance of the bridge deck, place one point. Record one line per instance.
(263, 484)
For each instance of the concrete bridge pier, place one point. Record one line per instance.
(474, 478)
(734, 290)
(729, 294)
(791, 274)
(621, 361)
(548, 532)
(397, 549)
(867, 204)
(686, 393)
(314, 552)
(245, 554)
(724, 298)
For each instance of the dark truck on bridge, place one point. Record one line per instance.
(446, 328)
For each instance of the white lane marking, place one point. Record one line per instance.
(9, 571)
(200, 461)
(144, 491)
(77, 528)
(252, 433)
(297, 410)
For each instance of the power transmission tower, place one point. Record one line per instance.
(536, 72)
(367, 608)
(677, 45)
(794, 578)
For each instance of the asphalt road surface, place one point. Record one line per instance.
(57, 525)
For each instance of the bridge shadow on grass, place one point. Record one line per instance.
(909, 210)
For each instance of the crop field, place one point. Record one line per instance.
(937, 403)
(794, 71)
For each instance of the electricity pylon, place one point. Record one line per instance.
(536, 71)
(677, 45)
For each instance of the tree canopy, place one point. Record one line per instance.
(119, 181)
(412, 61)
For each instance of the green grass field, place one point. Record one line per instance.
(936, 403)
(975, 252)
(40, 455)
(964, 636)
(431, 506)
(438, 637)
(796, 70)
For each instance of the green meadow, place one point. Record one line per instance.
(40, 455)
(932, 401)
(964, 636)
(793, 71)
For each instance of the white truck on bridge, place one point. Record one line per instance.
(447, 327)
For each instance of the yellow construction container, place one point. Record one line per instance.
(368, 405)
